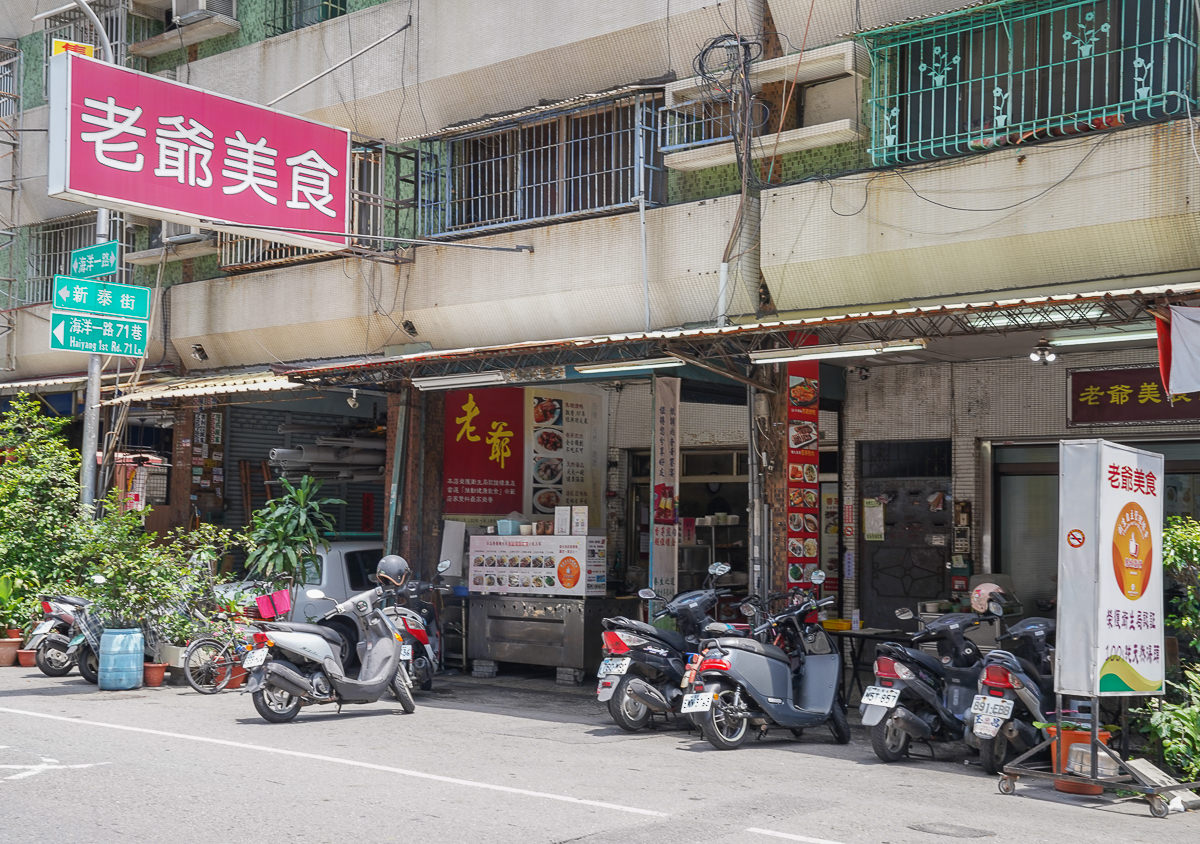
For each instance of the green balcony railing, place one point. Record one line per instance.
(1027, 70)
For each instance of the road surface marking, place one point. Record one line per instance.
(787, 836)
(46, 764)
(354, 763)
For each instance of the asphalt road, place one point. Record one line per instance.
(509, 760)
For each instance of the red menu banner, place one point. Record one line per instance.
(803, 492)
(484, 458)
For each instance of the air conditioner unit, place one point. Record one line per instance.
(185, 10)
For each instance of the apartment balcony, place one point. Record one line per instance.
(1115, 209)
(453, 297)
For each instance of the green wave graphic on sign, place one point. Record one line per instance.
(1117, 675)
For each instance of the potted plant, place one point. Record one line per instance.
(1073, 732)
(285, 534)
(18, 590)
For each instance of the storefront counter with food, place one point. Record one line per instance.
(538, 600)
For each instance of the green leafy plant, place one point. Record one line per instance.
(1181, 564)
(1175, 723)
(18, 598)
(286, 532)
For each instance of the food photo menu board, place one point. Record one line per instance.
(564, 437)
(538, 565)
(803, 490)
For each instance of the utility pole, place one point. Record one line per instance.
(91, 404)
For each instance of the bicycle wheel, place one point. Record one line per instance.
(207, 664)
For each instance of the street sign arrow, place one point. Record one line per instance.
(57, 333)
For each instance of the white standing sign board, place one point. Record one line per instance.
(1110, 592)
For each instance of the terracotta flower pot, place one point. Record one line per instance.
(236, 678)
(12, 632)
(153, 673)
(27, 657)
(1070, 737)
(8, 651)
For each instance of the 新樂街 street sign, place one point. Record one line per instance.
(101, 298)
(98, 335)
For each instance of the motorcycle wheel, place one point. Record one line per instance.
(993, 753)
(629, 713)
(889, 743)
(402, 689)
(838, 725)
(276, 705)
(53, 662)
(723, 729)
(422, 673)
(89, 664)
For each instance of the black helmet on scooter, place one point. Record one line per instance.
(392, 571)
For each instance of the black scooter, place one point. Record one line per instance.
(918, 696)
(52, 637)
(643, 667)
(791, 681)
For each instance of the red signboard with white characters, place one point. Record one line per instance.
(803, 490)
(484, 457)
(139, 143)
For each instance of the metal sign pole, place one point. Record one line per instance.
(91, 402)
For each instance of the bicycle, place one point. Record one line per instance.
(210, 662)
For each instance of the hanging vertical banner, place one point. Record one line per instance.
(664, 544)
(1110, 593)
(566, 441)
(484, 452)
(803, 490)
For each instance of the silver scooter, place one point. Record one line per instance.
(294, 664)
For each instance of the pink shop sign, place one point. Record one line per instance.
(133, 142)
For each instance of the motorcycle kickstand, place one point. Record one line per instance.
(762, 732)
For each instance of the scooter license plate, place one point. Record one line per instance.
(697, 702)
(986, 726)
(1001, 707)
(880, 696)
(406, 652)
(614, 665)
(255, 658)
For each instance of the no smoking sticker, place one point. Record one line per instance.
(1075, 538)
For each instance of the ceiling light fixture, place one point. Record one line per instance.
(629, 365)
(847, 350)
(1126, 337)
(454, 382)
(1043, 353)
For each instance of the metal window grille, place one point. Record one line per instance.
(288, 15)
(50, 247)
(381, 200)
(1018, 72)
(580, 162)
(10, 82)
(120, 23)
(157, 483)
(695, 124)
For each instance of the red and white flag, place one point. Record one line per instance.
(1179, 350)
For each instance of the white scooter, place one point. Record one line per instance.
(294, 664)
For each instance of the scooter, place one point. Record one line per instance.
(641, 673)
(921, 697)
(417, 618)
(1016, 688)
(791, 681)
(52, 637)
(294, 664)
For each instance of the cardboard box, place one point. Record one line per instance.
(562, 521)
(579, 521)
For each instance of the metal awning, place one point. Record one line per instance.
(727, 347)
(210, 385)
(925, 18)
(57, 384)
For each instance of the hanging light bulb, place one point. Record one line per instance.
(1043, 353)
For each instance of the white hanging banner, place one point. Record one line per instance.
(664, 516)
(1110, 593)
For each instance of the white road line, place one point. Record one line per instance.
(354, 763)
(787, 836)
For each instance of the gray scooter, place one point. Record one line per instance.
(744, 682)
(294, 664)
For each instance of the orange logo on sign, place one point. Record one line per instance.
(568, 572)
(1132, 550)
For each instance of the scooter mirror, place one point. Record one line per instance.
(648, 594)
(817, 577)
(443, 566)
(904, 613)
(747, 610)
(996, 608)
(372, 578)
(314, 594)
(719, 569)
